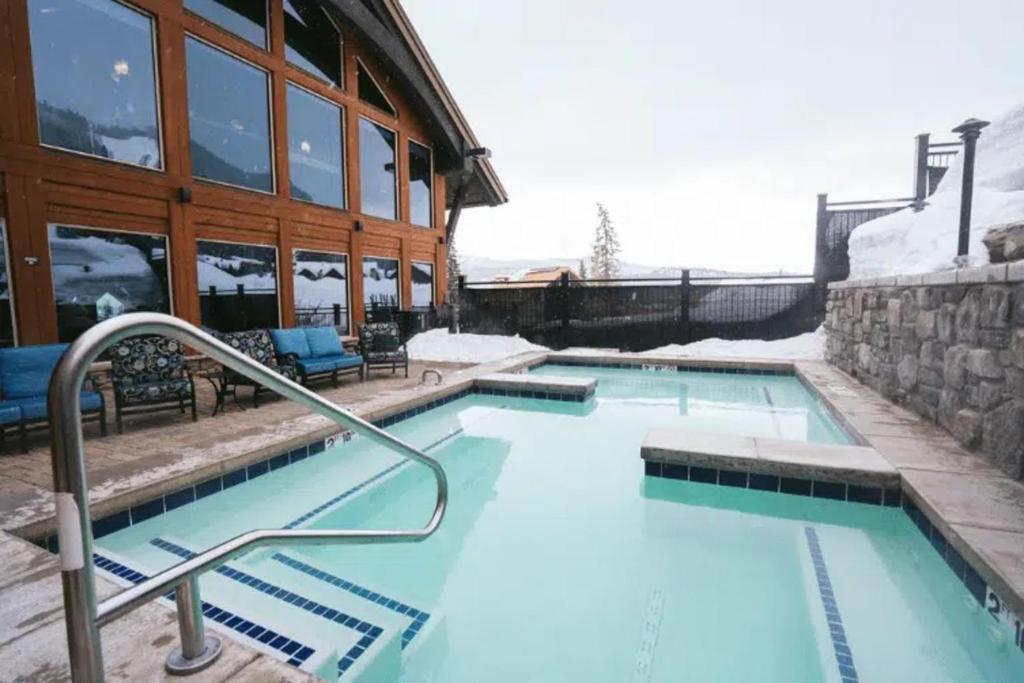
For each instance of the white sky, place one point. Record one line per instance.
(707, 128)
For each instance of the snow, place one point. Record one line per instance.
(442, 347)
(808, 346)
(212, 276)
(909, 243)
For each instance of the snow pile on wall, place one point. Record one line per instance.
(808, 346)
(908, 243)
(442, 347)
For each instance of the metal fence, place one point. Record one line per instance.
(636, 315)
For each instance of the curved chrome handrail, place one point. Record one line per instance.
(83, 616)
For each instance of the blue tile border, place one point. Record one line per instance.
(841, 646)
(967, 575)
(419, 617)
(370, 632)
(291, 651)
(662, 366)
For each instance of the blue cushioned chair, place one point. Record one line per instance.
(315, 352)
(24, 380)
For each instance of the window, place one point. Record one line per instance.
(370, 92)
(422, 285)
(421, 171)
(8, 337)
(315, 149)
(100, 274)
(95, 79)
(229, 119)
(377, 169)
(312, 40)
(237, 286)
(380, 286)
(321, 289)
(245, 18)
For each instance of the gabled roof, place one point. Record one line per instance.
(386, 29)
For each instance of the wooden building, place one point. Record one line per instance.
(237, 163)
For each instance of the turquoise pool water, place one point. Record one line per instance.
(559, 561)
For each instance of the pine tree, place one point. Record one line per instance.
(604, 254)
(583, 270)
(454, 270)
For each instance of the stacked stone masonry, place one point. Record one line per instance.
(952, 351)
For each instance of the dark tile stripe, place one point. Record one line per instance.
(840, 645)
(640, 365)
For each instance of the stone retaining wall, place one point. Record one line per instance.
(948, 345)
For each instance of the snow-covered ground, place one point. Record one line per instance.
(908, 243)
(809, 346)
(442, 347)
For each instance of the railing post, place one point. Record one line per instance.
(970, 131)
(337, 315)
(820, 229)
(197, 650)
(921, 171)
(684, 306)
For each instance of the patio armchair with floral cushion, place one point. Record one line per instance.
(258, 345)
(381, 347)
(148, 375)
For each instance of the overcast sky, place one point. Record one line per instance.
(707, 128)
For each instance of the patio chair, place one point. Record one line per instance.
(24, 381)
(382, 347)
(258, 345)
(149, 375)
(315, 352)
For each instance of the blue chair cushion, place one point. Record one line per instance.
(34, 408)
(323, 341)
(25, 371)
(315, 366)
(10, 413)
(291, 341)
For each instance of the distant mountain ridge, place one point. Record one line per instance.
(484, 269)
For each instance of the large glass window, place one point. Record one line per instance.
(422, 284)
(370, 92)
(237, 286)
(380, 286)
(7, 334)
(312, 40)
(95, 79)
(315, 149)
(377, 169)
(421, 202)
(321, 289)
(229, 118)
(245, 18)
(100, 274)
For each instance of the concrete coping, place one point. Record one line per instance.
(860, 465)
(549, 384)
(993, 273)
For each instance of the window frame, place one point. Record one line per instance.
(348, 279)
(292, 65)
(268, 13)
(6, 243)
(345, 199)
(277, 267)
(396, 259)
(433, 285)
(270, 119)
(430, 148)
(158, 101)
(398, 160)
(360, 64)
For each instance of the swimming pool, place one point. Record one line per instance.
(559, 560)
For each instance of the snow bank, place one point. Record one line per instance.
(440, 346)
(809, 346)
(908, 243)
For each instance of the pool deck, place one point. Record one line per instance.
(976, 507)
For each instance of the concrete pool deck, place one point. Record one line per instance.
(980, 510)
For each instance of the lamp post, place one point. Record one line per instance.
(969, 131)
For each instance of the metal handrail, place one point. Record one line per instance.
(83, 616)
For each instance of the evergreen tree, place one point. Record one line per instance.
(604, 254)
(583, 270)
(454, 270)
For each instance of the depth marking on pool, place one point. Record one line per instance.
(844, 654)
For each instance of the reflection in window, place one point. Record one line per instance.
(312, 41)
(422, 285)
(370, 92)
(380, 285)
(377, 169)
(420, 197)
(321, 289)
(228, 118)
(314, 149)
(95, 79)
(245, 18)
(237, 286)
(6, 299)
(100, 274)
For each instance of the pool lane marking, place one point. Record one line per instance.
(843, 652)
(771, 411)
